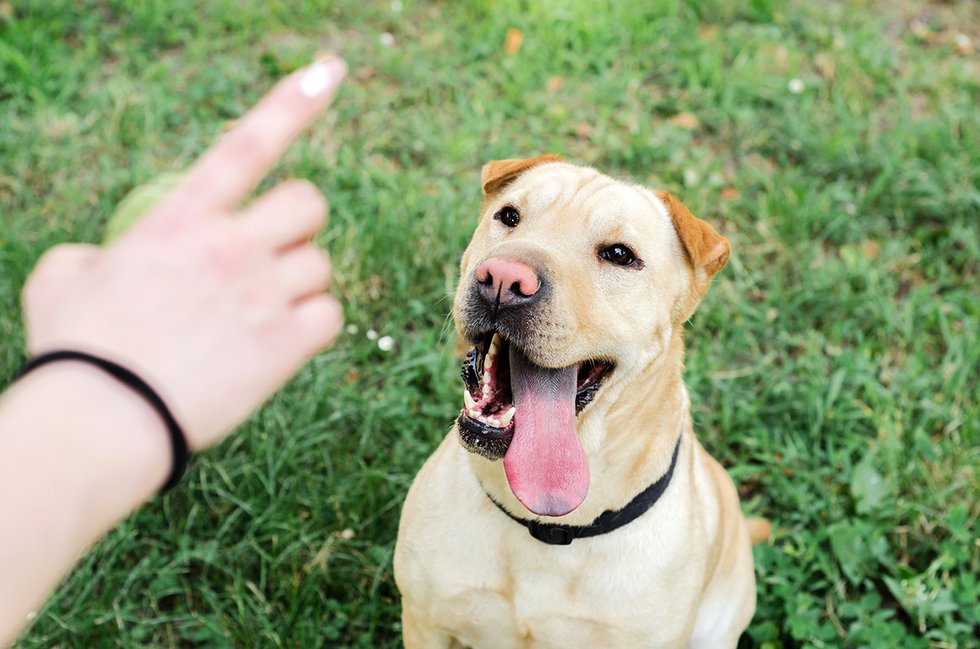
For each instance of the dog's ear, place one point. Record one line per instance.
(498, 173)
(704, 246)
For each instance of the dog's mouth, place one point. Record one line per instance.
(524, 413)
(489, 402)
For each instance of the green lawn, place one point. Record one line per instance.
(833, 366)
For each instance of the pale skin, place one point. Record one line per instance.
(214, 305)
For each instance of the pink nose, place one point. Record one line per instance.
(507, 280)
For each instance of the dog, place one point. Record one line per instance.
(571, 505)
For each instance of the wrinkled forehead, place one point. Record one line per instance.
(586, 198)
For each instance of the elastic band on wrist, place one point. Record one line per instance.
(178, 442)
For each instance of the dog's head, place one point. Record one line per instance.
(571, 277)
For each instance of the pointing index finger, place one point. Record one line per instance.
(235, 165)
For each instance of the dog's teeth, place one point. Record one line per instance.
(486, 379)
(482, 418)
(489, 362)
(493, 422)
(505, 420)
(469, 400)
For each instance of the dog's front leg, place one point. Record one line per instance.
(418, 632)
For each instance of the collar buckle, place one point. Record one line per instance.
(550, 534)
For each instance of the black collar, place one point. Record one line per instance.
(606, 522)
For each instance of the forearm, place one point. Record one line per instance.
(78, 452)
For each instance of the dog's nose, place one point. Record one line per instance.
(507, 281)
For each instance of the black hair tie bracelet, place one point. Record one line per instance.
(178, 442)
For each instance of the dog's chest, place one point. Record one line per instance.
(468, 570)
(533, 596)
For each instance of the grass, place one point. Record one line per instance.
(833, 367)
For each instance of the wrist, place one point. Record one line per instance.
(177, 438)
(106, 447)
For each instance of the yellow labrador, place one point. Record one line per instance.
(571, 505)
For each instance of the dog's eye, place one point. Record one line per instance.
(618, 254)
(509, 216)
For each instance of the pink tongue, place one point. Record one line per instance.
(545, 463)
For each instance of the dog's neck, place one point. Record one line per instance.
(628, 432)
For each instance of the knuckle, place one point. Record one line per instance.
(307, 194)
(317, 261)
(327, 324)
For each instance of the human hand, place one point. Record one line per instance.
(214, 306)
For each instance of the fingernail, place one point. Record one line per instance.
(323, 74)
